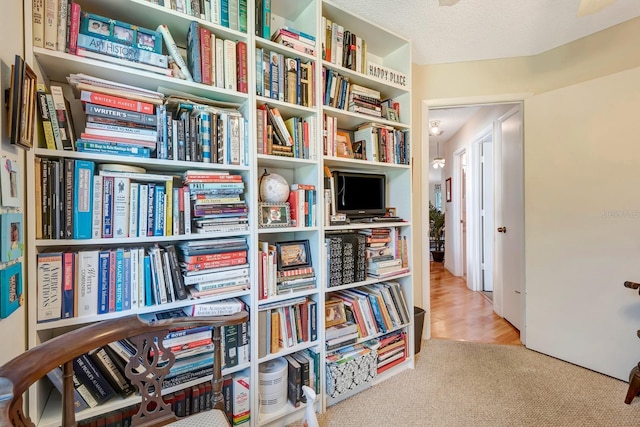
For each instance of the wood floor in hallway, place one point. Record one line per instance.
(463, 315)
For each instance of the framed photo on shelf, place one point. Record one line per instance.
(11, 236)
(447, 188)
(334, 312)
(274, 215)
(10, 182)
(293, 254)
(10, 289)
(343, 145)
(359, 150)
(392, 115)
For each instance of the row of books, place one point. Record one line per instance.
(373, 309)
(286, 324)
(284, 78)
(262, 19)
(339, 93)
(302, 204)
(295, 39)
(214, 61)
(91, 282)
(227, 13)
(293, 137)
(302, 369)
(342, 47)
(381, 143)
(387, 251)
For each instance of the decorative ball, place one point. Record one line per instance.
(273, 188)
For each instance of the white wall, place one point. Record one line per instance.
(13, 328)
(582, 224)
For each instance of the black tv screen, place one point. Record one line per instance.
(360, 194)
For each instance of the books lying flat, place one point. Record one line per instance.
(216, 308)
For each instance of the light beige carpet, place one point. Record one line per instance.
(469, 384)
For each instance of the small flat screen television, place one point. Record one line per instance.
(360, 194)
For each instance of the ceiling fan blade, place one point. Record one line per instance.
(587, 7)
(448, 2)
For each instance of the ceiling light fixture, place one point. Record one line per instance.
(438, 162)
(434, 128)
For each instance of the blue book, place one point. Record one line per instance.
(160, 213)
(259, 73)
(103, 283)
(148, 295)
(327, 91)
(224, 13)
(83, 199)
(89, 375)
(377, 314)
(204, 135)
(150, 209)
(119, 277)
(313, 320)
(107, 207)
(193, 51)
(242, 16)
(126, 279)
(112, 148)
(266, 19)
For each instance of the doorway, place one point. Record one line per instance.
(470, 149)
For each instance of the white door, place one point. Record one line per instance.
(509, 225)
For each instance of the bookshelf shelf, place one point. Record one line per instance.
(383, 47)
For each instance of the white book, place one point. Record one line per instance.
(143, 210)
(213, 60)
(339, 45)
(187, 212)
(358, 54)
(215, 12)
(221, 273)
(152, 177)
(323, 36)
(217, 308)
(51, 24)
(38, 11)
(230, 80)
(158, 275)
(334, 42)
(62, 24)
(171, 294)
(118, 134)
(49, 292)
(219, 63)
(120, 207)
(141, 279)
(87, 269)
(134, 276)
(176, 212)
(174, 52)
(96, 228)
(133, 209)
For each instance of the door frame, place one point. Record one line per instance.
(426, 104)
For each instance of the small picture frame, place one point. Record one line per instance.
(447, 187)
(392, 115)
(359, 150)
(10, 289)
(334, 312)
(22, 102)
(274, 215)
(293, 254)
(10, 179)
(343, 145)
(123, 35)
(392, 212)
(11, 236)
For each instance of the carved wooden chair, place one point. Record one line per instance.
(20, 373)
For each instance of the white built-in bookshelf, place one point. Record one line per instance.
(309, 16)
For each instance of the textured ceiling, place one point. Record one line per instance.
(487, 29)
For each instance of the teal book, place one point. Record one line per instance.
(148, 294)
(83, 199)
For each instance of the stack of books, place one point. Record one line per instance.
(212, 267)
(341, 335)
(364, 100)
(386, 253)
(295, 39)
(120, 119)
(217, 201)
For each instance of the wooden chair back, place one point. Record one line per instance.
(17, 375)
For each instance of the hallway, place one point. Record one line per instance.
(462, 315)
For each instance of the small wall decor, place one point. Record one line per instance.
(274, 215)
(293, 254)
(10, 289)
(21, 102)
(10, 182)
(448, 188)
(11, 236)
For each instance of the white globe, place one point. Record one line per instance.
(274, 188)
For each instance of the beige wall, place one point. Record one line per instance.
(583, 71)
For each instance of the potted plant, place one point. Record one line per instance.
(436, 233)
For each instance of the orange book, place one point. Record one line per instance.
(116, 102)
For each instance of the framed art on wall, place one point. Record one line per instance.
(447, 188)
(11, 236)
(10, 182)
(10, 289)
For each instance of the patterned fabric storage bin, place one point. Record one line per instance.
(345, 379)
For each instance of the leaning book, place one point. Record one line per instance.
(223, 307)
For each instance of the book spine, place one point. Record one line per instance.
(219, 63)
(47, 126)
(89, 375)
(193, 51)
(121, 207)
(62, 25)
(242, 67)
(68, 286)
(51, 24)
(214, 309)
(103, 282)
(266, 19)
(159, 209)
(178, 280)
(121, 51)
(172, 48)
(116, 113)
(107, 206)
(54, 122)
(68, 197)
(87, 285)
(126, 279)
(119, 279)
(49, 287)
(97, 214)
(205, 55)
(230, 78)
(116, 102)
(74, 26)
(83, 199)
(109, 368)
(134, 190)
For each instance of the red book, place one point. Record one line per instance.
(116, 102)
(214, 257)
(293, 208)
(74, 15)
(215, 264)
(205, 55)
(241, 64)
